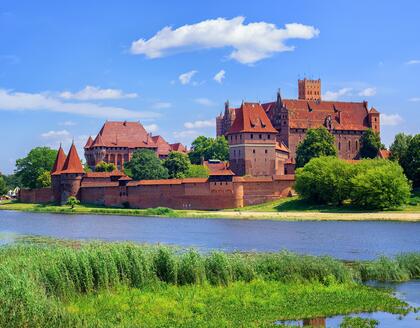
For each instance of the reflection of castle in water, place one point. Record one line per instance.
(313, 322)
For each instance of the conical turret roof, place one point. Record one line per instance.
(89, 143)
(59, 162)
(98, 141)
(72, 163)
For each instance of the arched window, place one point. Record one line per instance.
(357, 144)
(349, 145)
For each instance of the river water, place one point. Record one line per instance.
(349, 240)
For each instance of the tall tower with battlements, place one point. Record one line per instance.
(309, 89)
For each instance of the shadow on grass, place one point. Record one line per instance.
(299, 204)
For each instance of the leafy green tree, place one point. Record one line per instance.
(3, 187)
(370, 143)
(411, 161)
(145, 165)
(86, 168)
(44, 180)
(29, 168)
(204, 148)
(324, 180)
(105, 167)
(197, 171)
(379, 184)
(72, 201)
(12, 181)
(318, 142)
(177, 164)
(399, 146)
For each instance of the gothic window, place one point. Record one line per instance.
(339, 145)
(349, 145)
(266, 151)
(253, 151)
(268, 136)
(357, 144)
(260, 136)
(252, 136)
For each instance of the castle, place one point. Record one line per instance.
(291, 118)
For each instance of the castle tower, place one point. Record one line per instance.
(71, 175)
(252, 142)
(373, 116)
(309, 89)
(56, 174)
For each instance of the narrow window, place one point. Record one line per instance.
(266, 151)
(349, 145)
(357, 144)
(268, 136)
(339, 145)
(260, 136)
(253, 151)
(252, 136)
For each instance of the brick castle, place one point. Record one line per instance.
(262, 142)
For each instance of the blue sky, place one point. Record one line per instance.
(66, 67)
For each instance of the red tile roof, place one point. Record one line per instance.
(104, 174)
(282, 147)
(163, 148)
(384, 153)
(72, 163)
(178, 147)
(124, 134)
(59, 162)
(89, 143)
(251, 117)
(218, 168)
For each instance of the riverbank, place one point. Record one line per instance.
(120, 284)
(288, 209)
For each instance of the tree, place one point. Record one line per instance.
(197, 171)
(104, 167)
(370, 143)
(3, 187)
(72, 201)
(177, 164)
(324, 180)
(12, 181)
(29, 168)
(411, 161)
(204, 148)
(399, 146)
(379, 184)
(44, 180)
(145, 165)
(318, 142)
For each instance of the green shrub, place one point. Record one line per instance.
(191, 268)
(410, 262)
(357, 322)
(384, 269)
(218, 269)
(165, 265)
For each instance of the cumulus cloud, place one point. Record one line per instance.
(151, 127)
(200, 124)
(22, 101)
(55, 134)
(251, 42)
(185, 78)
(335, 95)
(391, 119)
(204, 101)
(162, 105)
(219, 77)
(368, 92)
(96, 93)
(413, 62)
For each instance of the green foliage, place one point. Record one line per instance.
(411, 161)
(145, 165)
(399, 146)
(105, 167)
(191, 268)
(177, 164)
(318, 142)
(165, 265)
(29, 168)
(357, 322)
(197, 171)
(72, 202)
(324, 180)
(370, 144)
(384, 269)
(86, 168)
(44, 180)
(3, 187)
(204, 148)
(12, 181)
(218, 269)
(379, 184)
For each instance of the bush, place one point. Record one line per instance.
(379, 184)
(72, 201)
(165, 265)
(191, 268)
(218, 269)
(324, 180)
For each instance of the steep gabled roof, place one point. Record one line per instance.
(163, 148)
(72, 163)
(98, 142)
(251, 117)
(59, 162)
(179, 147)
(89, 143)
(282, 147)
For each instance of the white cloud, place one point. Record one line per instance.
(204, 102)
(200, 124)
(414, 99)
(185, 78)
(68, 123)
(162, 105)
(413, 62)
(96, 93)
(21, 101)
(186, 134)
(368, 92)
(219, 77)
(251, 42)
(335, 95)
(151, 127)
(55, 134)
(391, 119)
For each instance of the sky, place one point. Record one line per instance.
(67, 67)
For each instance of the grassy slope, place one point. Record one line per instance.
(255, 304)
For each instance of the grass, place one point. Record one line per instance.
(92, 284)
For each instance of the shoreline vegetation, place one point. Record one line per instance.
(60, 283)
(287, 209)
